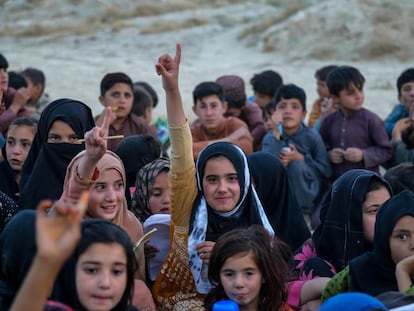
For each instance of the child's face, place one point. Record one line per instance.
(242, 280)
(267, 118)
(322, 88)
(19, 141)
(373, 201)
(210, 111)
(148, 115)
(107, 196)
(261, 99)
(233, 112)
(292, 114)
(159, 201)
(407, 95)
(4, 79)
(61, 132)
(101, 276)
(402, 239)
(350, 99)
(35, 91)
(120, 95)
(221, 184)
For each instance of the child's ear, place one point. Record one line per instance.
(335, 99)
(148, 114)
(102, 101)
(225, 106)
(304, 112)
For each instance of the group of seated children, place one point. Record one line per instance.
(230, 200)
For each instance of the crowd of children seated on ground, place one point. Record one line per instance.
(250, 204)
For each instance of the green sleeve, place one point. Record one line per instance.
(410, 290)
(340, 283)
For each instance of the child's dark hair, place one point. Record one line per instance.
(35, 75)
(377, 183)
(207, 88)
(401, 177)
(96, 231)
(16, 80)
(342, 77)
(150, 90)
(289, 91)
(266, 82)
(322, 73)
(234, 90)
(405, 77)
(99, 232)
(4, 64)
(25, 121)
(110, 79)
(269, 108)
(142, 101)
(268, 253)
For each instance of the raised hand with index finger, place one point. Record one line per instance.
(168, 68)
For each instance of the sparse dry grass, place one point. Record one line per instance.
(392, 33)
(165, 26)
(383, 42)
(112, 16)
(290, 8)
(323, 51)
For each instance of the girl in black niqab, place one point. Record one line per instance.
(44, 171)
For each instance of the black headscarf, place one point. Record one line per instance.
(65, 290)
(44, 170)
(17, 247)
(136, 151)
(248, 210)
(374, 272)
(272, 186)
(8, 183)
(340, 236)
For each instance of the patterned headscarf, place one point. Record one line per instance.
(145, 180)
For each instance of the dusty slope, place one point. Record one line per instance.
(76, 41)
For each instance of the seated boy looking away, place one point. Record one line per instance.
(117, 93)
(239, 107)
(212, 126)
(354, 136)
(405, 87)
(323, 105)
(265, 86)
(298, 147)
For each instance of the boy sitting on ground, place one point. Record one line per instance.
(212, 126)
(117, 93)
(298, 147)
(354, 136)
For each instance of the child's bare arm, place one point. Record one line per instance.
(313, 289)
(403, 271)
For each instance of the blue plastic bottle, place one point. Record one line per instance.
(225, 305)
